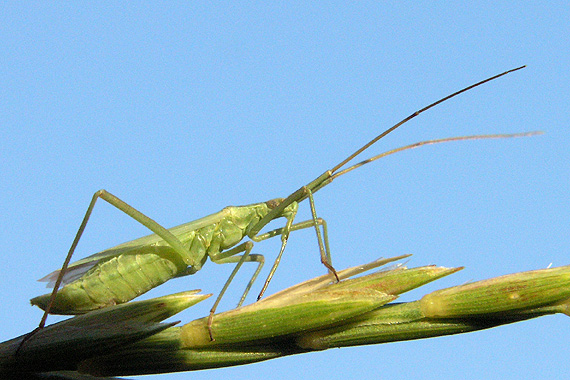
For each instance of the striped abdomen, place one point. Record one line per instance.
(115, 281)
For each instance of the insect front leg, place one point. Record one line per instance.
(284, 231)
(326, 259)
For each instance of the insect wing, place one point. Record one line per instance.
(72, 274)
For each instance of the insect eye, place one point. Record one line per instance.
(274, 203)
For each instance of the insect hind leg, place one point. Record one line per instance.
(172, 240)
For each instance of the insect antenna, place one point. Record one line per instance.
(431, 142)
(405, 120)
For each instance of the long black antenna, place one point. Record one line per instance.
(375, 139)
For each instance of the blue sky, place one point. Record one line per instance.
(183, 108)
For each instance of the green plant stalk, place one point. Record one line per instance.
(394, 323)
(509, 293)
(63, 345)
(310, 305)
(259, 322)
(320, 282)
(494, 302)
(164, 352)
(479, 305)
(266, 329)
(399, 279)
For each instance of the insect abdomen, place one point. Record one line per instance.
(112, 282)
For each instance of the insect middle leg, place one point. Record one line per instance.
(322, 238)
(231, 256)
(298, 196)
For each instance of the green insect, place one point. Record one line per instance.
(128, 270)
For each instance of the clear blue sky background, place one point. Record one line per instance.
(182, 108)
